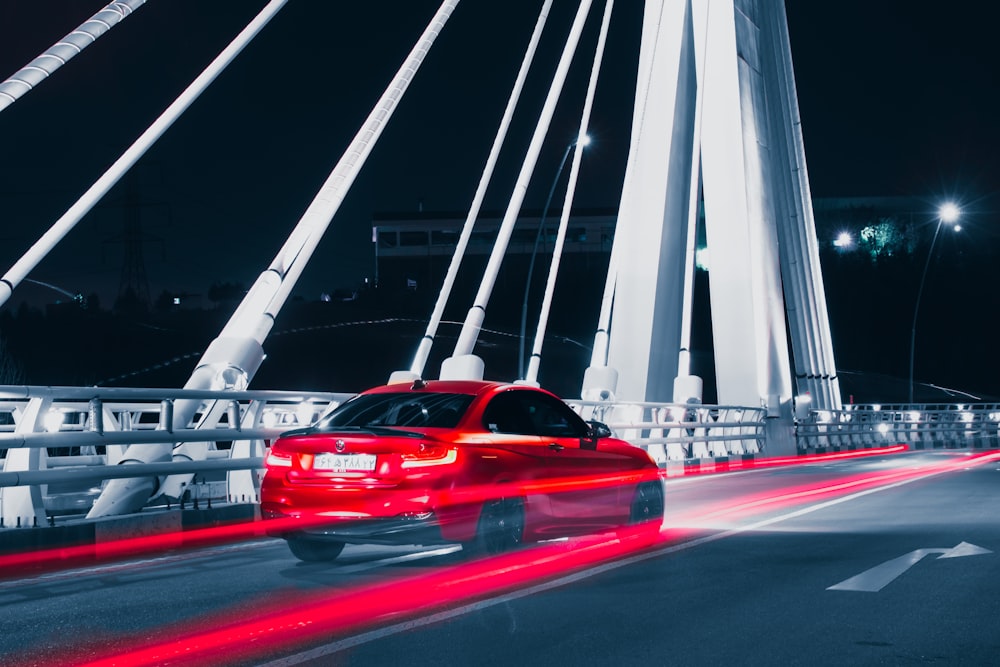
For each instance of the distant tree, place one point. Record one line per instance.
(11, 371)
(886, 237)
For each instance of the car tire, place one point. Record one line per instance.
(312, 550)
(500, 527)
(647, 504)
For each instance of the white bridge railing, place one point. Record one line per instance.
(58, 445)
(920, 426)
(678, 432)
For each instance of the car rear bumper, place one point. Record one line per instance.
(423, 528)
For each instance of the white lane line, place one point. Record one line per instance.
(374, 635)
(371, 565)
(115, 568)
(112, 568)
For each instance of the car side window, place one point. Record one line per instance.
(552, 418)
(532, 413)
(505, 414)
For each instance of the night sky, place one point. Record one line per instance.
(896, 98)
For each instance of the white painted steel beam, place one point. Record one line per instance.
(65, 224)
(805, 296)
(25, 501)
(463, 364)
(39, 69)
(424, 348)
(651, 235)
(751, 348)
(715, 81)
(531, 376)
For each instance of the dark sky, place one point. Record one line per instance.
(897, 98)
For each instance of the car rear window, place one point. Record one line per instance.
(400, 409)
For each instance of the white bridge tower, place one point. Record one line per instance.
(716, 104)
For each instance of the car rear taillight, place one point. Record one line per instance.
(430, 458)
(277, 459)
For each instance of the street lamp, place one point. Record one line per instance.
(77, 298)
(948, 213)
(583, 140)
(844, 241)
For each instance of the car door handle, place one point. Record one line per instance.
(556, 446)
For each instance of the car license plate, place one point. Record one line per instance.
(345, 462)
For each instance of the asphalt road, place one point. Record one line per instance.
(878, 561)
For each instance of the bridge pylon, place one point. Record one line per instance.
(715, 104)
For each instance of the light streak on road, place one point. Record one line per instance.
(732, 509)
(303, 620)
(34, 562)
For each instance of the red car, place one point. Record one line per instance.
(484, 464)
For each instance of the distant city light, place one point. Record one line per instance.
(844, 240)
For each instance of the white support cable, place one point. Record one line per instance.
(531, 376)
(61, 52)
(424, 349)
(234, 356)
(473, 321)
(37, 252)
(599, 352)
(269, 293)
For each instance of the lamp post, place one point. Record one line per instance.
(583, 141)
(77, 298)
(948, 213)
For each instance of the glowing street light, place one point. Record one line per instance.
(844, 240)
(948, 213)
(583, 141)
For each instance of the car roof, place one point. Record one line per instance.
(473, 387)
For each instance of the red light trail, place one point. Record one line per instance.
(34, 562)
(323, 616)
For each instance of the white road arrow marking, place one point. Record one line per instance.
(880, 576)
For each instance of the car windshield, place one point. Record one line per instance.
(402, 409)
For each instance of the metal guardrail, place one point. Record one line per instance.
(58, 444)
(920, 426)
(62, 443)
(677, 432)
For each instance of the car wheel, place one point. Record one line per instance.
(647, 503)
(312, 551)
(500, 528)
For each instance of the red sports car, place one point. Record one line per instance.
(484, 464)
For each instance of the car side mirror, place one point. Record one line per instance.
(595, 431)
(599, 430)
